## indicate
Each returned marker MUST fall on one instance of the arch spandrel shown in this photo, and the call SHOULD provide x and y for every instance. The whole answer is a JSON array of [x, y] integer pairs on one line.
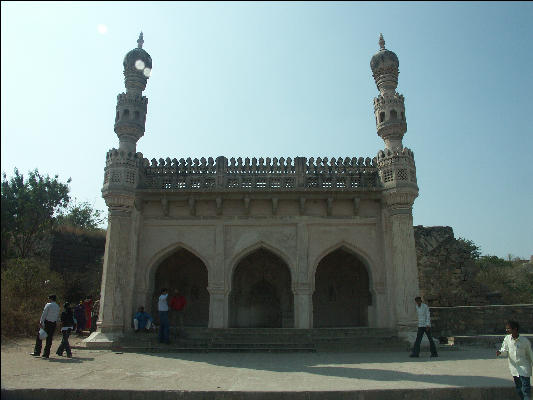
[[351, 248], [236, 258], [157, 258]]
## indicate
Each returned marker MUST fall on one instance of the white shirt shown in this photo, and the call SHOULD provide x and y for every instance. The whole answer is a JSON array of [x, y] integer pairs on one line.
[[163, 305], [50, 312], [423, 315], [520, 355]]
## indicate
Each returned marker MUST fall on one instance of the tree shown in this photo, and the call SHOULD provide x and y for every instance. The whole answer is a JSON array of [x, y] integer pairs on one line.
[[29, 208], [82, 215], [470, 248]]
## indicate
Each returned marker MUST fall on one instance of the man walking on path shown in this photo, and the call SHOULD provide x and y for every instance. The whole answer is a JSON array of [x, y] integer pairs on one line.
[[424, 326], [518, 349], [177, 304], [162, 307], [48, 322]]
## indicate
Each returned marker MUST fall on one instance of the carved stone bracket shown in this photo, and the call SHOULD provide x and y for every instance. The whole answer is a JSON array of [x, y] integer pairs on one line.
[[164, 206], [330, 205], [192, 205], [356, 203], [246, 205], [302, 205], [274, 205], [218, 201]]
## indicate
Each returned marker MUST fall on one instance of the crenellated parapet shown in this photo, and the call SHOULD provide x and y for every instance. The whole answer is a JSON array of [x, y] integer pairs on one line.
[[122, 171], [397, 168], [260, 173]]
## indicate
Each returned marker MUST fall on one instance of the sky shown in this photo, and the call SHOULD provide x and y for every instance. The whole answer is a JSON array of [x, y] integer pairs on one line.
[[285, 79]]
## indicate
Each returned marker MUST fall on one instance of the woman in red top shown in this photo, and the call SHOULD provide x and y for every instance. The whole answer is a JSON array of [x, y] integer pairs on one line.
[[177, 305]]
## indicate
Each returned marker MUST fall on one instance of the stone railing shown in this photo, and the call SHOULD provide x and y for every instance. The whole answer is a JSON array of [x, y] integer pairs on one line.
[[259, 173]]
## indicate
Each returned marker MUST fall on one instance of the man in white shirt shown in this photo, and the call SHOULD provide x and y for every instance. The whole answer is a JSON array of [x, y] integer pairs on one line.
[[424, 326], [162, 307], [48, 322], [518, 349]]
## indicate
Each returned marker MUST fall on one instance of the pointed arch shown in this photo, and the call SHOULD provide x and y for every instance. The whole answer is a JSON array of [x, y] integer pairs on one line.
[[342, 287], [238, 257], [260, 288]]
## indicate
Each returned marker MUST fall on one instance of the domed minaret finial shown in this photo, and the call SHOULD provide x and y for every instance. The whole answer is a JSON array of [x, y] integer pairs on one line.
[[140, 41], [381, 42]]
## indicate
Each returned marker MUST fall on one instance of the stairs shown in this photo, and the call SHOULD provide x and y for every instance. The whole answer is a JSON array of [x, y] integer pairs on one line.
[[266, 340]]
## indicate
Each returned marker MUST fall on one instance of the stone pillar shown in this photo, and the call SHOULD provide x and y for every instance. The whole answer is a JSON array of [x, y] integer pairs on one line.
[[402, 256], [217, 307], [117, 274], [303, 307]]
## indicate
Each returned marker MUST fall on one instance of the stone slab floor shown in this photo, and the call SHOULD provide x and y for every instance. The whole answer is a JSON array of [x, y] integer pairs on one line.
[[105, 369]]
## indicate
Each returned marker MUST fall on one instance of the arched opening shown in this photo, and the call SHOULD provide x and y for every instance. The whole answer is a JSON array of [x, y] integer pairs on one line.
[[137, 115], [342, 294], [261, 295], [184, 271], [381, 117], [393, 115], [126, 114]]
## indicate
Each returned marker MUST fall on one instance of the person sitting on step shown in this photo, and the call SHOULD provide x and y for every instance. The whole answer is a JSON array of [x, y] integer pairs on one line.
[[142, 320]]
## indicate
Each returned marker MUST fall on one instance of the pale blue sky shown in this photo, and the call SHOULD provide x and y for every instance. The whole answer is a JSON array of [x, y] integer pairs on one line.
[[285, 79]]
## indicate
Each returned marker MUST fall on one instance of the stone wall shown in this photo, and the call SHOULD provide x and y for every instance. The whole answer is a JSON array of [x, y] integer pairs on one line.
[[471, 320], [446, 271], [75, 251]]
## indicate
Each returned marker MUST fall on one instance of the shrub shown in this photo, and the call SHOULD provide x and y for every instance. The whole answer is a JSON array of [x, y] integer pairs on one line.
[[26, 285]]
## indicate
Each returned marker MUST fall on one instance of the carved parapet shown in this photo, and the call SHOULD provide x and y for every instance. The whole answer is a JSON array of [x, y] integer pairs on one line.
[[397, 168], [122, 170], [134, 101], [260, 173]]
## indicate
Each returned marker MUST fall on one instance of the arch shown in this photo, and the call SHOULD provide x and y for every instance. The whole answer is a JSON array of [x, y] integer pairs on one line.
[[237, 258], [126, 113], [162, 254], [261, 294], [356, 251], [342, 287], [381, 117], [183, 270], [393, 114]]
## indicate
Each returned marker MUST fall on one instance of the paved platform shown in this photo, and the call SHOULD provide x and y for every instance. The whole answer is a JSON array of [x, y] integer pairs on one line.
[[470, 373]]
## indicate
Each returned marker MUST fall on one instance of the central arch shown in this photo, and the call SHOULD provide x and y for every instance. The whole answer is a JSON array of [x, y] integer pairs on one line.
[[186, 272], [342, 291], [261, 295]]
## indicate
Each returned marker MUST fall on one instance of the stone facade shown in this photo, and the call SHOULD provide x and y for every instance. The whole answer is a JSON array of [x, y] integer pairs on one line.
[[446, 271], [275, 242], [471, 320]]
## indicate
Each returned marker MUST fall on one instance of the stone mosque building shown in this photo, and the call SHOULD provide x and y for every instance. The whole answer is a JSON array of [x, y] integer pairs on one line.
[[265, 243]]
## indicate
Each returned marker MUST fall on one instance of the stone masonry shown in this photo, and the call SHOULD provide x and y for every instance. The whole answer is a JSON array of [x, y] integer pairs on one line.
[[261, 231]]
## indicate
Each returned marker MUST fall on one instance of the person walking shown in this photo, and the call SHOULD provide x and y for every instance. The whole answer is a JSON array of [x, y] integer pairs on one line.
[[67, 325], [88, 306], [424, 326], [177, 304], [47, 322], [518, 350], [162, 307]]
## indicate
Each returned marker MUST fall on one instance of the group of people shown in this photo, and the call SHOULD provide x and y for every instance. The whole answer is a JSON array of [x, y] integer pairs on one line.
[[517, 348], [70, 320], [86, 313], [142, 321]]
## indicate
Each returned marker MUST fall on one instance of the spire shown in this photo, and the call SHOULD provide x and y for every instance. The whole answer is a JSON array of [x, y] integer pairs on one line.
[[140, 41], [381, 41]]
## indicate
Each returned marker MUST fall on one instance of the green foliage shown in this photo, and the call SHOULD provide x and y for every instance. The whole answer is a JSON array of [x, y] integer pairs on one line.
[[26, 285], [82, 215], [470, 248], [29, 208], [512, 279]]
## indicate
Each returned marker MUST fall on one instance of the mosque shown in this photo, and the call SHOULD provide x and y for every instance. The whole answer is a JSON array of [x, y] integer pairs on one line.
[[261, 242]]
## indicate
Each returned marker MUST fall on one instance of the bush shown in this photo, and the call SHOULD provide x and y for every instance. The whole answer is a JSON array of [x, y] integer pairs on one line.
[[26, 285]]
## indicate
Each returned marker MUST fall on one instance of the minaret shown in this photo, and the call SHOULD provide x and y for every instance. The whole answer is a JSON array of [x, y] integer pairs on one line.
[[131, 106], [397, 174], [121, 179]]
